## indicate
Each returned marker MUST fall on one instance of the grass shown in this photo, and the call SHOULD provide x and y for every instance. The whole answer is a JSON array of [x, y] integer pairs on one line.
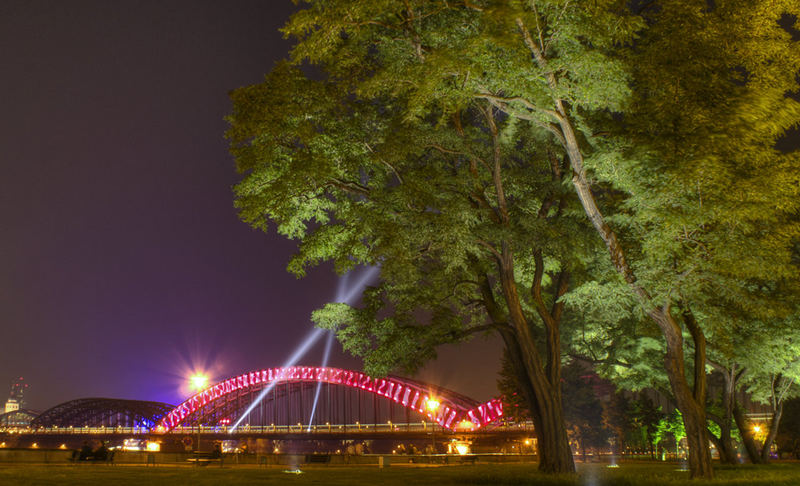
[[511, 474]]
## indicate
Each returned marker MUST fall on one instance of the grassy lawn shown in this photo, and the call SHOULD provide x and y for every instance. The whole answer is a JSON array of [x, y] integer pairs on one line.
[[589, 475]]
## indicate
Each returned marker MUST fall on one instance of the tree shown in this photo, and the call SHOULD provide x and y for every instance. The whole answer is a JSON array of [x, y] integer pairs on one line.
[[770, 364], [645, 417], [434, 62], [705, 115], [671, 426], [468, 220], [583, 410], [706, 108]]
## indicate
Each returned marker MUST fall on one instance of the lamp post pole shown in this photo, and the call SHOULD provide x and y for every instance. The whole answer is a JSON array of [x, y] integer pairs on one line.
[[198, 383], [433, 406]]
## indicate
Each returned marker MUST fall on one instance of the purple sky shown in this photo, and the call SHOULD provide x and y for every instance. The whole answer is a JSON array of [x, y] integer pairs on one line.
[[122, 261]]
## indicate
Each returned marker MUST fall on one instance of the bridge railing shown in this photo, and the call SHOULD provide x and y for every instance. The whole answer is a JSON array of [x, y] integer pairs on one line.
[[303, 429]]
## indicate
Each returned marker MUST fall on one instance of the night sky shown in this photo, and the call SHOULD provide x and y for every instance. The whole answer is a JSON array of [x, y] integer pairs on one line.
[[123, 265]]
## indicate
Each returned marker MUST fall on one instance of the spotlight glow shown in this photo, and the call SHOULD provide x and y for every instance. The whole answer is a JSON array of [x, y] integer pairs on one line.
[[356, 289], [343, 295], [293, 359], [325, 357]]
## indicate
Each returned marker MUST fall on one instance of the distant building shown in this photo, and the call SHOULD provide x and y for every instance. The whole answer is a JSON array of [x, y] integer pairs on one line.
[[18, 392], [16, 399], [12, 405], [15, 414]]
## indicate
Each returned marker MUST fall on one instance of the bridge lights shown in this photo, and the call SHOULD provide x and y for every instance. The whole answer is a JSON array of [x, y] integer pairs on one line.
[[465, 425]]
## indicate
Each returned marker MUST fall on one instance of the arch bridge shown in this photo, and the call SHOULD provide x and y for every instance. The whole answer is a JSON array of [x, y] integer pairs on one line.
[[316, 396], [102, 412]]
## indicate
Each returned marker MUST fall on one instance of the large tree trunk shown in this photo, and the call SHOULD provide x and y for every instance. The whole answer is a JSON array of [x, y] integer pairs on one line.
[[727, 451], [550, 430], [694, 415], [544, 400], [543, 372], [555, 454], [725, 447]]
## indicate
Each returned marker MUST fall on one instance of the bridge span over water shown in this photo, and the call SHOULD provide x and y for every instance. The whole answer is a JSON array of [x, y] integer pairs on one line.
[[289, 400], [312, 405]]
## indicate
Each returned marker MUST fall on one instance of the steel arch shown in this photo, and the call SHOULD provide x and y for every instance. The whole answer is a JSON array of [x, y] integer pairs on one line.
[[454, 409], [98, 412]]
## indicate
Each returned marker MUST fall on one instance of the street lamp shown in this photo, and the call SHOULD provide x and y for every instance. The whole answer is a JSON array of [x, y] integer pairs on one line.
[[198, 382], [433, 405]]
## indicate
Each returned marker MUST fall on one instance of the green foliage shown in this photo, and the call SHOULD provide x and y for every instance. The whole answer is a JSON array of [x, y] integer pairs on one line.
[[439, 55], [670, 427], [770, 354], [357, 185], [430, 140], [710, 205]]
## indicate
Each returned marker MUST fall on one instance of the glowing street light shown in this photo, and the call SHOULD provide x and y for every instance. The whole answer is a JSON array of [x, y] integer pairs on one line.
[[433, 405], [198, 382]]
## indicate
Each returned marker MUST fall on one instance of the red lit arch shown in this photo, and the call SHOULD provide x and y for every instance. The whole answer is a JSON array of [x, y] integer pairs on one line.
[[454, 409]]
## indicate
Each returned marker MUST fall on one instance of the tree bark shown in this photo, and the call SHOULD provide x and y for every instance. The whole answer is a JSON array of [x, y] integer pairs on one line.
[[724, 444], [555, 454], [727, 451], [544, 400], [551, 453]]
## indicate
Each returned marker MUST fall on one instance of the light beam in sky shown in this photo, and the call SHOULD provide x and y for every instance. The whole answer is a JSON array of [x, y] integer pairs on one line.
[[344, 295]]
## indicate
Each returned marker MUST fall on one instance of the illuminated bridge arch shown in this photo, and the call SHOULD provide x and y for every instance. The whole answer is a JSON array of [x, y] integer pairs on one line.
[[224, 402], [102, 412]]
